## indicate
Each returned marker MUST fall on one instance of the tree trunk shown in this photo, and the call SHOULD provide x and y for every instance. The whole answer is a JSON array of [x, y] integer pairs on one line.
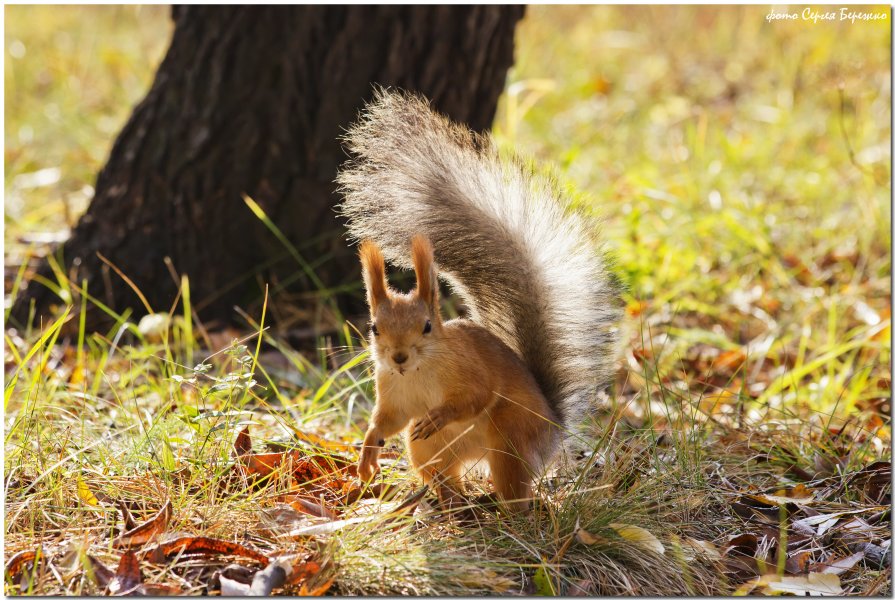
[[252, 100]]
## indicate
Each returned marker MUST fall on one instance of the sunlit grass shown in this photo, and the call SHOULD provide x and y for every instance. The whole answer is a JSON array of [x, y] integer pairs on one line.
[[742, 170]]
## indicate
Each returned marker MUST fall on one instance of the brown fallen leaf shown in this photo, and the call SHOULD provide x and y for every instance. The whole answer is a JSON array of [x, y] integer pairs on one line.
[[703, 548], [875, 481], [283, 517], [589, 539], [797, 562], [750, 510], [22, 560], [158, 589], [201, 545], [308, 506], [317, 590], [306, 466], [129, 523], [322, 442], [243, 443], [148, 531], [875, 556], [745, 544], [799, 495], [128, 576], [99, 573], [839, 566], [741, 568], [730, 360]]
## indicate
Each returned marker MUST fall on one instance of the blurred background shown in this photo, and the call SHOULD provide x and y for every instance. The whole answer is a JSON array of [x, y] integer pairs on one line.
[[741, 168]]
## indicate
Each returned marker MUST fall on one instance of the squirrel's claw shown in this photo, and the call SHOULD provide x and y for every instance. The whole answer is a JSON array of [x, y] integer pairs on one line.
[[426, 427], [367, 466]]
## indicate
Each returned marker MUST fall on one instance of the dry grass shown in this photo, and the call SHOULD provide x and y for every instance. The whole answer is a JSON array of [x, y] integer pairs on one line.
[[742, 172]]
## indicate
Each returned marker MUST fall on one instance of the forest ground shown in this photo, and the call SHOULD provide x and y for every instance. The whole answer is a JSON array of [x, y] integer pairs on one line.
[[741, 168]]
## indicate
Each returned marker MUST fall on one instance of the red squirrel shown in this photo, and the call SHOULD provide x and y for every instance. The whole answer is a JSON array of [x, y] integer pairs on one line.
[[503, 385]]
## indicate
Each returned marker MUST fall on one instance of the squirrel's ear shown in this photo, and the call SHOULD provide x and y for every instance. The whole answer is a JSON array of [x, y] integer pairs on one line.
[[426, 276], [373, 268]]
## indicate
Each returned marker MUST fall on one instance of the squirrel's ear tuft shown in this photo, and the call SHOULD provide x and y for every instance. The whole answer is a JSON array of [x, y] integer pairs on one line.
[[373, 268], [426, 276]]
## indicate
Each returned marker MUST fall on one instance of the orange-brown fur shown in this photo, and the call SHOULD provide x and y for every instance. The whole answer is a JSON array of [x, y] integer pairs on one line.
[[460, 394]]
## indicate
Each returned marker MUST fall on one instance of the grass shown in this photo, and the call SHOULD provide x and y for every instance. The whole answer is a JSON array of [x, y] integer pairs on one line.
[[741, 170]]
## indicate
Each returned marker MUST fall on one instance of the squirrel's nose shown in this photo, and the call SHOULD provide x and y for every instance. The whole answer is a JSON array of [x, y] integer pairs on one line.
[[399, 357]]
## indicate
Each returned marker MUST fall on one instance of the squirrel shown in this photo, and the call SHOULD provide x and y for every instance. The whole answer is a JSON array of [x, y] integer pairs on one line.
[[503, 385]]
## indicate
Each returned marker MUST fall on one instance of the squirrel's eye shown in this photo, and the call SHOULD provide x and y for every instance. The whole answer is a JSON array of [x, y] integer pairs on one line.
[[428, 327], [373, 329]]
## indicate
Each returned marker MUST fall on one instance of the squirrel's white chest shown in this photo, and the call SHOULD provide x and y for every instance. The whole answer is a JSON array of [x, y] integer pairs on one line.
[[413, 393]]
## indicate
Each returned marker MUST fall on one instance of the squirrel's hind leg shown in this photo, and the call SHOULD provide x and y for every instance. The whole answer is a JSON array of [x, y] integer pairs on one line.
[[440, 471], [512, 479]]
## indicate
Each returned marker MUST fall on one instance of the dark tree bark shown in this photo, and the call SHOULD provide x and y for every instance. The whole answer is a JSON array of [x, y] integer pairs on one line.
[[252, 100]]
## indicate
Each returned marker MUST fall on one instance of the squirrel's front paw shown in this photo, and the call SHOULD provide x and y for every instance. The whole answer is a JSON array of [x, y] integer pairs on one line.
[[428, 425], [368, 465]]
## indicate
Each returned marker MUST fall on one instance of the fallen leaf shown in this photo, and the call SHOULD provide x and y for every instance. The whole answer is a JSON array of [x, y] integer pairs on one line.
[[322, 442], [305, 467], [98, 572], [84, 493], [704, 548], [126, 516], [243, 443], [822, 584], [404, 509], [797, 561], [797, 495], [158, 589], [763, 513], [283, 517], [319, 590], [875, 556], [730, 360], [201, 545], [745, 544], [875, 481], [842, 565], [328, 528], [639, 536], [128, 576], [21, 560], [589, 539], [543, 583], [148, 531], [307, 506]]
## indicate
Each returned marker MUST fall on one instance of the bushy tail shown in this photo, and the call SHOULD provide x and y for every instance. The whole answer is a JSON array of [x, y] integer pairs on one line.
[[528, 267]]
